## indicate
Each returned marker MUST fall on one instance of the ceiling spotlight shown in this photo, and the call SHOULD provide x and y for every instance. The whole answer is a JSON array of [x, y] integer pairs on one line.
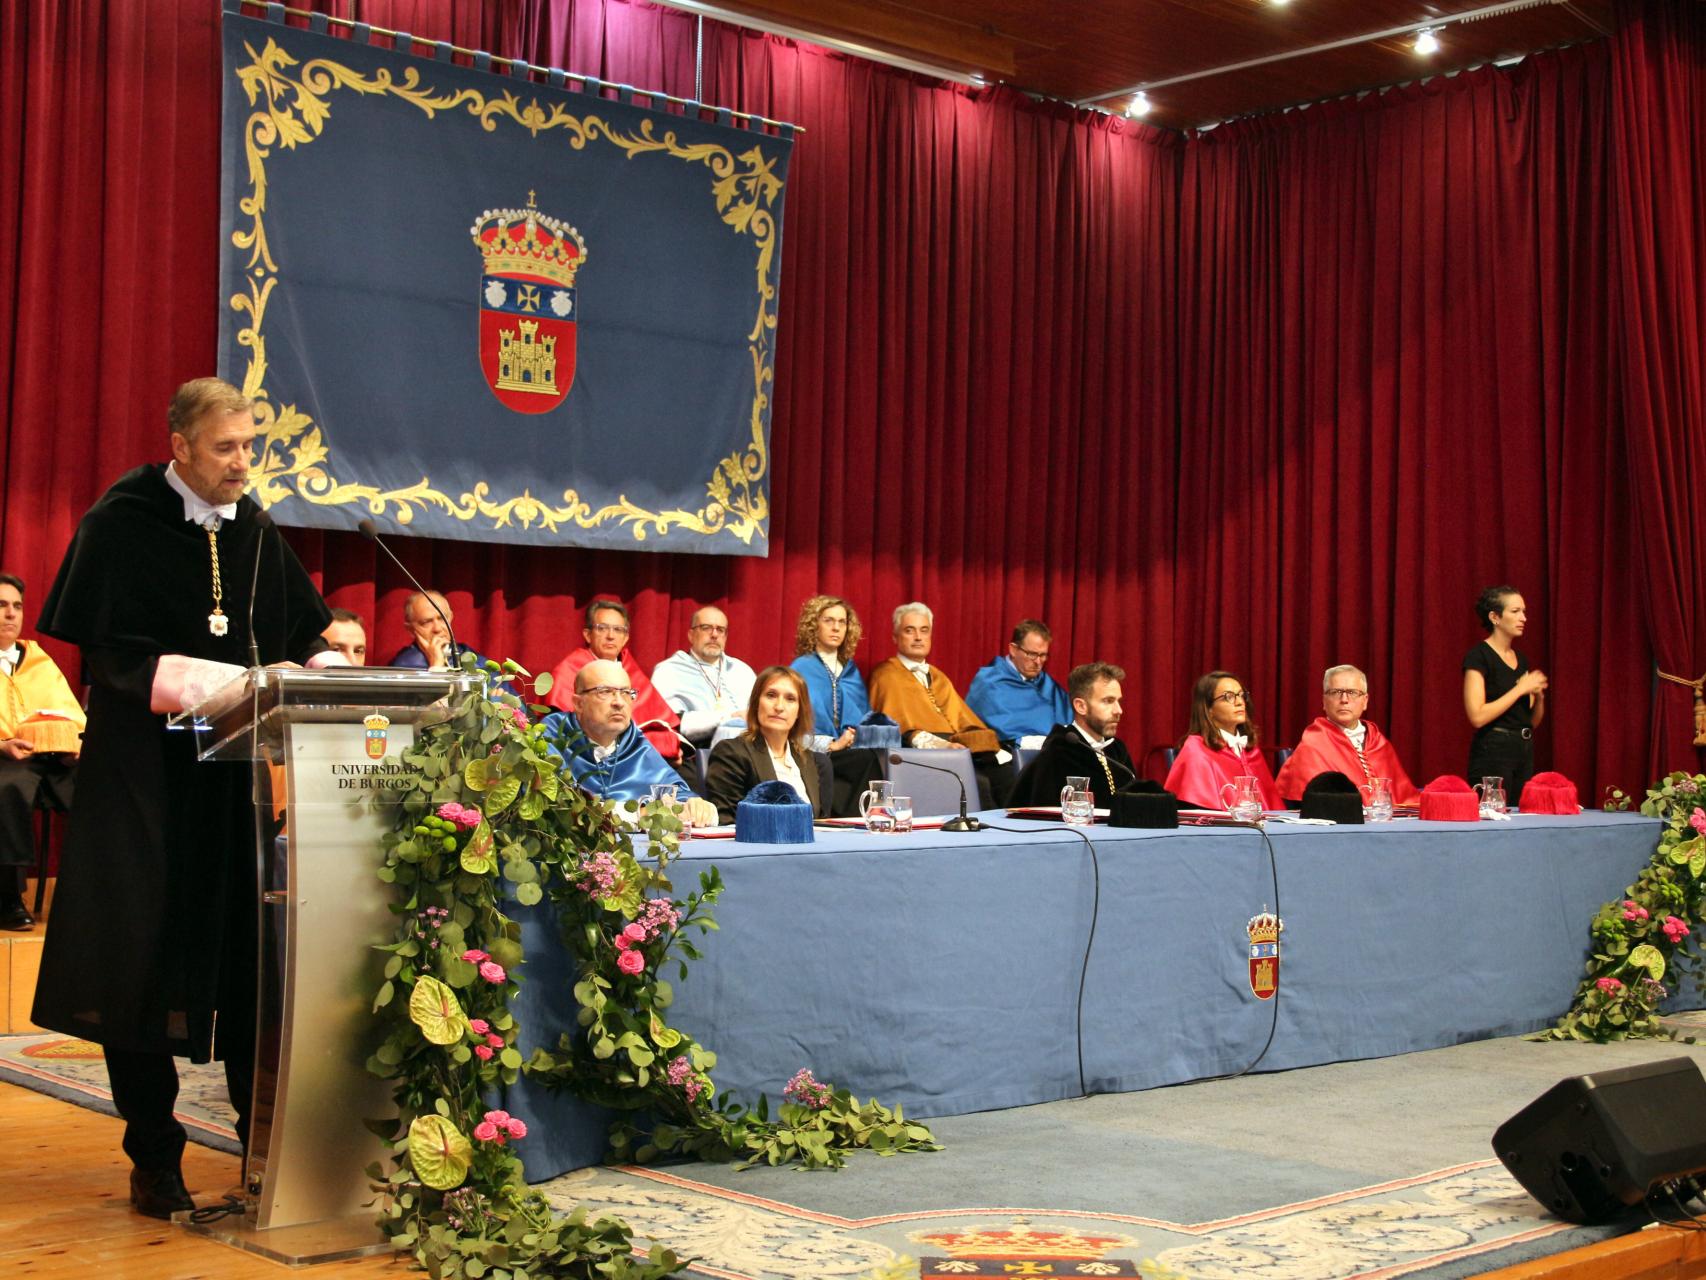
[[1427, 41], [1139, 104]]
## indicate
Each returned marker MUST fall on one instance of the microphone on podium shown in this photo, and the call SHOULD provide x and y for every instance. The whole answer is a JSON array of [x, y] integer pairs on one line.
[[371, 531], [263, 522], [961, 823]]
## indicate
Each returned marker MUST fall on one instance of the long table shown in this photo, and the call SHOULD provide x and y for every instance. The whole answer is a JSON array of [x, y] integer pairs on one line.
[[942, 971]]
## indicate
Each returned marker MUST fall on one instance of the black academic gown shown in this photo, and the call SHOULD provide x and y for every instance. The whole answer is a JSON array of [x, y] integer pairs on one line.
[[1065, 755], [153, 924]]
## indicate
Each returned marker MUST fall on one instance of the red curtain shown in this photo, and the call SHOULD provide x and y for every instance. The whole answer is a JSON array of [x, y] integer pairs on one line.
[[1658, 121], [1280, 396], [1396, 387]]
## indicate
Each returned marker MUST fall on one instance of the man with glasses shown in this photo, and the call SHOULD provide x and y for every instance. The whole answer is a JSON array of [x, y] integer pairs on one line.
[[702, 683], [604, 751], [606, 635], [1015, 696], [1342, 741], [429, 644]]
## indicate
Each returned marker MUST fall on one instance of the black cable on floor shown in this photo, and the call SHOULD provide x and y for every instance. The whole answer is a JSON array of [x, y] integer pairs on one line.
[[229, 1207]]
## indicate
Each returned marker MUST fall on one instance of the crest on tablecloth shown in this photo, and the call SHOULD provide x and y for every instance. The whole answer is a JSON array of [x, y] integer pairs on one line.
[[1264, 931]]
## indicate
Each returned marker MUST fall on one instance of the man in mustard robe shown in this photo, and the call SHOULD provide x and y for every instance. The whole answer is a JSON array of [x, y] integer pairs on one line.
[[929, 710], [41, 732]]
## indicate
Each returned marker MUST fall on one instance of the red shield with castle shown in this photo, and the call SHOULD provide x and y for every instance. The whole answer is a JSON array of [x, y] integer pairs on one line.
[[1264, 931], [528, 308]]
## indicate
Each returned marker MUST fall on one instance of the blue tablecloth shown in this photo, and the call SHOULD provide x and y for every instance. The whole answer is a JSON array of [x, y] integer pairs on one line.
[[942, 971]]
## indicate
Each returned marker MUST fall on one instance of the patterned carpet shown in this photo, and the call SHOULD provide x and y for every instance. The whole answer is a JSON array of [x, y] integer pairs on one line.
[[1255, 1179]]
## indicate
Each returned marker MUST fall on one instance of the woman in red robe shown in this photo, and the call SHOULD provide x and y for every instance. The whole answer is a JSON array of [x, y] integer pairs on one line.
[[1220, 746]]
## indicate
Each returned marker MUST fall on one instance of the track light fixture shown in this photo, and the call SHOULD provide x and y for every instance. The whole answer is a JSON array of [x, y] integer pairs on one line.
[[1427, 41]]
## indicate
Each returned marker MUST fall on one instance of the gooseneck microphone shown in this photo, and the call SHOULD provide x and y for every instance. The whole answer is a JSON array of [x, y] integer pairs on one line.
[[263, 522], [961, 823], [371, 531]]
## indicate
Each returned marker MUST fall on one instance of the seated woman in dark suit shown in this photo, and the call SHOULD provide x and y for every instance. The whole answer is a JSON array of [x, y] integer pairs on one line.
[[773, 748]]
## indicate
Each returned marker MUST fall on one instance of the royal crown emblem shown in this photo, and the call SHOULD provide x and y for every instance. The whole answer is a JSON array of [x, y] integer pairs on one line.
[[1265, 930], [1021, 1250], [528, 311], [377, 729]]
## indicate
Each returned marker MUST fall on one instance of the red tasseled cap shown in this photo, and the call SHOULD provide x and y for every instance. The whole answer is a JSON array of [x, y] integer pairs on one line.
[[1449, 798], [1550, 793]]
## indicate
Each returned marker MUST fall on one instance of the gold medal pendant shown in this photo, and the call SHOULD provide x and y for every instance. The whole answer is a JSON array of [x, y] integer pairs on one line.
[[217, 623]]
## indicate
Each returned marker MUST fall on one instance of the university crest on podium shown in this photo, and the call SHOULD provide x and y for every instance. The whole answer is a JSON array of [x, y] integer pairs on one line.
[[528, 310], [1265, 931], [376, 729]]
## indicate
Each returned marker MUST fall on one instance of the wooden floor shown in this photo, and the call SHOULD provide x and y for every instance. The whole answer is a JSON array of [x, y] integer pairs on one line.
[[67, 1210]]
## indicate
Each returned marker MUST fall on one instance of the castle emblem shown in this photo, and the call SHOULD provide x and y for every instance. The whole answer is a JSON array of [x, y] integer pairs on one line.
[[1265, 931], [376, 730], [528, 311]]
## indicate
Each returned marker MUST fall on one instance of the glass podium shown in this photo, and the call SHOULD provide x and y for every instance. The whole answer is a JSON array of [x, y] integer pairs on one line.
[[326, 751]]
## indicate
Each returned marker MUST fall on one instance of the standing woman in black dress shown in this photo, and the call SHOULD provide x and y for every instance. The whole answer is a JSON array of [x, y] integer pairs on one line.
[[1505, 701]]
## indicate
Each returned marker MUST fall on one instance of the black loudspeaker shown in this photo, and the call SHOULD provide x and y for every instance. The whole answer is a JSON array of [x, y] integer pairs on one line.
[[1590, 1147]]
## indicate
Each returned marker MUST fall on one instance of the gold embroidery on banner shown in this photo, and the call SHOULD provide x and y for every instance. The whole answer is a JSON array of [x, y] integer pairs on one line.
[[293, 458]]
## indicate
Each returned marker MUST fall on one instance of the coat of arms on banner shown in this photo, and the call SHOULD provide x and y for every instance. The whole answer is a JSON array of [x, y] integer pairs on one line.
[[1265, 931], [527, 305]]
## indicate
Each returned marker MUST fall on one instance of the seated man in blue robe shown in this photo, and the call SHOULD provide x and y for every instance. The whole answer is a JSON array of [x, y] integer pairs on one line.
[[429, 645], [605, 753], [1014, 696]]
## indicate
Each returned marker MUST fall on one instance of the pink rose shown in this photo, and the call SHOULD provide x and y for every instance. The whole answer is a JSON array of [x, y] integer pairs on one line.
[[474, 956], [622, 943], [635, 932], [479, 1026], [1611, 986], [483, 1052], [498, 1117], [486, 1131], [1697, 820], [1676, 930], [630, 962], [517, 1129], [491, 971], [1633, 910], [496, 1041]]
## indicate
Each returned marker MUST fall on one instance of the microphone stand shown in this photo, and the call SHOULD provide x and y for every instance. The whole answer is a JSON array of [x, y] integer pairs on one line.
[[371, 531], [962, 823]]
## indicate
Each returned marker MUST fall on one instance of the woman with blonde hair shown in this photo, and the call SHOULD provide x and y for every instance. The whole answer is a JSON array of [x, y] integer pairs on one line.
[[825, 639]]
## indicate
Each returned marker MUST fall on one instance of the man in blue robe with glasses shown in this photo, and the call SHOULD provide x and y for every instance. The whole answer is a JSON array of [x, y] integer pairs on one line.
[[607, 755], [1015, 696]]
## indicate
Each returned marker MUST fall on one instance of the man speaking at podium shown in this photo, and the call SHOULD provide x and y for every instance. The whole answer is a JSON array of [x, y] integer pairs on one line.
[[150, 948]]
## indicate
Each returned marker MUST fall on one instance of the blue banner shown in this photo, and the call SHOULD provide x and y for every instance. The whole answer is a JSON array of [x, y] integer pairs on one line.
[[470, 305]]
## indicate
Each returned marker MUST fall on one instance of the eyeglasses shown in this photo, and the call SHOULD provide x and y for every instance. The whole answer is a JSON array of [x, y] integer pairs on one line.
[[1239, 696], [609, 628], [605, 692], [1035, 655], [711, 627], [1347, 695]]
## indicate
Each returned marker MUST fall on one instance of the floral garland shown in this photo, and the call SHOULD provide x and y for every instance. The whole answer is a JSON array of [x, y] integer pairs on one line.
[[485, 818], [1647, 934]]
